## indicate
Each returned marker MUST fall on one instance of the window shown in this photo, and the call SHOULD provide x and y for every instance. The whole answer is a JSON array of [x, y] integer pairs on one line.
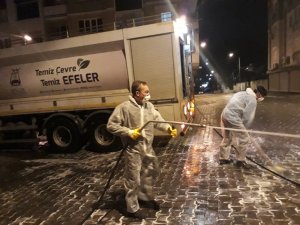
[[297, 15], [36, 40], [2, 4], [87, 25], [182, 60], [94, 25], [3, 15], [61, 32], [81, 26], [294, 19], [122, 5], [296, 57], [5, 43], [53, 2], [166, 16], [27, 9], [90, 25]]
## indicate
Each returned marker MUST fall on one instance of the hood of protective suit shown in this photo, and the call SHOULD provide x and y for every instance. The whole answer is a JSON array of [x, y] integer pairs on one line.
[[250, 92], [241, 108], [130, 115]]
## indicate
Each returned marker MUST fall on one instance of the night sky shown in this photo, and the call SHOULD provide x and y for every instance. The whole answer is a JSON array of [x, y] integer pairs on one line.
[[239, 26]]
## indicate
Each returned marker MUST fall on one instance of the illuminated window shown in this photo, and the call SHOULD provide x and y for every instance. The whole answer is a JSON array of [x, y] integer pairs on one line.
[[166, 16]]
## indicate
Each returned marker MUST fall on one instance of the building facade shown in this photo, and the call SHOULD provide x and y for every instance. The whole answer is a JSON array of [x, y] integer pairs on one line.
[[47, 20], [284, 45]]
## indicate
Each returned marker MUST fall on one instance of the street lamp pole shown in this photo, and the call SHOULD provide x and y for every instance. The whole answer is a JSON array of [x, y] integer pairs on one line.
[[231, 55], [239, 68]]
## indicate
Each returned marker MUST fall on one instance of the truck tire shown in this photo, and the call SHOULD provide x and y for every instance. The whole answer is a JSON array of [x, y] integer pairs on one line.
[[100, 139], [63, 135], [11, 135]]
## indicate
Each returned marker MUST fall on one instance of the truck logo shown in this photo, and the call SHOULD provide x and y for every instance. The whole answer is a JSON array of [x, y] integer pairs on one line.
[[15, 78], [82, 63]]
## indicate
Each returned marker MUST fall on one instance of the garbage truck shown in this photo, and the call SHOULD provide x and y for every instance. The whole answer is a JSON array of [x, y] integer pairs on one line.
[[66, 89]]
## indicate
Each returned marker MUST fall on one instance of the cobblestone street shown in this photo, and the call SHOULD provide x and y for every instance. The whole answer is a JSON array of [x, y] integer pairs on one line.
[[192, 189]]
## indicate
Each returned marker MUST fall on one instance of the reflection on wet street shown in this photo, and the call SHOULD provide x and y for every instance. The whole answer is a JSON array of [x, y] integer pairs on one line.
[[280, 114]]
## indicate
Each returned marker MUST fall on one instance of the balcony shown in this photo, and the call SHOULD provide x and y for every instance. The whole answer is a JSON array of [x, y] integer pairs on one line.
[[63, 32]]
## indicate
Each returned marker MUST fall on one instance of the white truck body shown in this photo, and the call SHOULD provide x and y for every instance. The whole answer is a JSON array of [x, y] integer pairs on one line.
[[67, 88]]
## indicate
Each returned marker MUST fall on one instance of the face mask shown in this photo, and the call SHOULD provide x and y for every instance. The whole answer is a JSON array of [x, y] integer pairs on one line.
[[146, 98], [260, 99]]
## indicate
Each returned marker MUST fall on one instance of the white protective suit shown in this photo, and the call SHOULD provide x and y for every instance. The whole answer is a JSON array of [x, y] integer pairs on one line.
[[141, 165], [239, 114]]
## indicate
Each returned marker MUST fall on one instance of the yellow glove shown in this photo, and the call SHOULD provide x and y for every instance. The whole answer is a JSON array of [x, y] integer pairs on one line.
[[134, 134], [172, 132]]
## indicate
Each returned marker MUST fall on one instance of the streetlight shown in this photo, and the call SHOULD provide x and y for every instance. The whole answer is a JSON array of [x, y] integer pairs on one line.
[[27, 38], [181, 26], [231, 55], [203, 44]]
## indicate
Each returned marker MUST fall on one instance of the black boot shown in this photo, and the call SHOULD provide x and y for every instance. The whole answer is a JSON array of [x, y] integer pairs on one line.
[[150, 204], [243, 164], [138, 214], [225, 161]]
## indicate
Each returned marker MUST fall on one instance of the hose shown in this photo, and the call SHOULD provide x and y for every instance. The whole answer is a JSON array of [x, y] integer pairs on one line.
[[266, 168], [259, 150], [97, 203]]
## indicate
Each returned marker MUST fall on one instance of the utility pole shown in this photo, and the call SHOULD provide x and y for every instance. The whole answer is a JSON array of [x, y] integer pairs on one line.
[[239, 69]]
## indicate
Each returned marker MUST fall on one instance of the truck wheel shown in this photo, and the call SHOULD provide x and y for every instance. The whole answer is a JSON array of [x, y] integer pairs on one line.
[[63, 136], [101, 140]]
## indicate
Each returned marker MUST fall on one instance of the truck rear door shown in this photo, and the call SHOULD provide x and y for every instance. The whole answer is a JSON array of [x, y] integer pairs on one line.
[[152, 59]]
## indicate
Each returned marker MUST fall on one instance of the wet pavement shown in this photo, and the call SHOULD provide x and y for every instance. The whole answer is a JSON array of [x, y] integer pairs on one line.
[[280, 114], [37, 188]]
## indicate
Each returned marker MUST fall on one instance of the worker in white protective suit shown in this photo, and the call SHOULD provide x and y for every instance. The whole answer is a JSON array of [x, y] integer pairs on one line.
[[141, 165], [239, 114]]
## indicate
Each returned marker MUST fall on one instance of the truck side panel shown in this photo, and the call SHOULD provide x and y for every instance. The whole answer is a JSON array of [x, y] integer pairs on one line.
[[68, 102], [78, 74]]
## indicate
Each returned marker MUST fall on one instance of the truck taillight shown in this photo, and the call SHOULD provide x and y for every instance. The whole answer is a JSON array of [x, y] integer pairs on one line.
[[192, 108]]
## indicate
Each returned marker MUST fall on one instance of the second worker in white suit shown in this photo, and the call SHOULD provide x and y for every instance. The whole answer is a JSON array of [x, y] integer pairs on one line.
[[239, 114]]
